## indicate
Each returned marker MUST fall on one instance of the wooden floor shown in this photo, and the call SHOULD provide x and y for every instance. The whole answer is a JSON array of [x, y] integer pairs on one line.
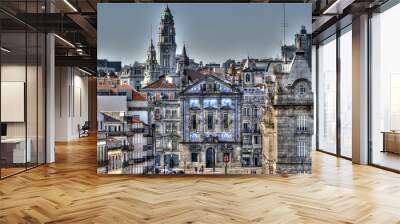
[[70, 191], [387, 159]]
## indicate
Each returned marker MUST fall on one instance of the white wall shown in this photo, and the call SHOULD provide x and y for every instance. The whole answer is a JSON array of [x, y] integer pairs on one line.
[[12, 73], [16, 73], [71, 102], [33, 125], [111, 103], [80, 105]]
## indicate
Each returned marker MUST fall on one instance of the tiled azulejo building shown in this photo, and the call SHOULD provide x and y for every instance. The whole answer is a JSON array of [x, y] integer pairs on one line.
[[210, 125]]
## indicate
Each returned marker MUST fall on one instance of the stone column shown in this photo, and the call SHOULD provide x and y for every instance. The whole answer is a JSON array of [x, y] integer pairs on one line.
[[360, 90], [50, 93]]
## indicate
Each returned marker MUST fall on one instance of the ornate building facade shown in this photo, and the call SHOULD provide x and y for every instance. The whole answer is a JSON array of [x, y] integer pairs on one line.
[[291, 113], [133, 75], [210, 125], [293, 110], [252, 105], [165, 117]]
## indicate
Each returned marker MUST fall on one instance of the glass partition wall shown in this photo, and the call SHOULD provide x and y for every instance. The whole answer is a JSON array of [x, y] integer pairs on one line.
[[327, 95], [345, 91], [334, 94], [22, 78], [385, 89]]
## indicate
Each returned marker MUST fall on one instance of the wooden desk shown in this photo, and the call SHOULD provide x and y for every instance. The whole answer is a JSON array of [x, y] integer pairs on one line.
[[391, 141], [13, 150]]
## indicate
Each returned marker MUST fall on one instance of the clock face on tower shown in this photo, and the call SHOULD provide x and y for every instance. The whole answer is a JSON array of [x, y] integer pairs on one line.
[[166, 50]]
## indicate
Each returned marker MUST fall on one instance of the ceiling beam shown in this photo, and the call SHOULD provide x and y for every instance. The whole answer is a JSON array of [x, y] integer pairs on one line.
[[86, 27], [77, 61]]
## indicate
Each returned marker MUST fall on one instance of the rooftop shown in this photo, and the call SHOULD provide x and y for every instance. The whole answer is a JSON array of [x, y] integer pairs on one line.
[[137, 96], [160, 84]]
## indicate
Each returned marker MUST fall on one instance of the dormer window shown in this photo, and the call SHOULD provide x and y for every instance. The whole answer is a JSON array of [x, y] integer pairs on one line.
[[301, 89]]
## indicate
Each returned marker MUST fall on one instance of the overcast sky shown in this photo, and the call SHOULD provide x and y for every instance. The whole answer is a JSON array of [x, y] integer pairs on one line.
[[212, 32]]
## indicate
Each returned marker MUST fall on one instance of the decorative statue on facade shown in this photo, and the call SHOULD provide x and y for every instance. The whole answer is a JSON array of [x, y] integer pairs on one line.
[[268, 134]]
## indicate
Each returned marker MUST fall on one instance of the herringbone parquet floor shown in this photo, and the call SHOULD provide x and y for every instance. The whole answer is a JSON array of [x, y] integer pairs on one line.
[[70, 191]]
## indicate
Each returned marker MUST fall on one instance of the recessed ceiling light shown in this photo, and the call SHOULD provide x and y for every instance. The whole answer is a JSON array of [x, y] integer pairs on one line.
[[5, 50], [64, 40], [86, 72], [338, 6], [70, 5]]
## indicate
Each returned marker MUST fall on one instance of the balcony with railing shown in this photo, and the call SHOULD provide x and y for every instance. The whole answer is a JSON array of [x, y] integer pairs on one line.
[[247, 130], [171, 132], [114, 146], [128, 147], [148, 147], [117, 133], [138, 130], [101, 135], [288, 100], [303, 131], [139, 157], [171, 117]]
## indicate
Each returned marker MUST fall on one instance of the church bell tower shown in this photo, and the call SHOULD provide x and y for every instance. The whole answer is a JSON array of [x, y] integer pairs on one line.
[[166, 43]]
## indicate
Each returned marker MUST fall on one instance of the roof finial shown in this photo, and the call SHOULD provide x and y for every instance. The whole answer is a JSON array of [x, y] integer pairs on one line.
[[184, 50], [151, 35], [284, 33]]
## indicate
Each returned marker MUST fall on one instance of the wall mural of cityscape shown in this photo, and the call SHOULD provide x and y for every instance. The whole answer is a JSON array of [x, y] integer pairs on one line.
[[167, 111]]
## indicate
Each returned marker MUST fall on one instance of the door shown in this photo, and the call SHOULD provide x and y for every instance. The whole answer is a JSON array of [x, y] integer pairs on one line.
[[210, 158]]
